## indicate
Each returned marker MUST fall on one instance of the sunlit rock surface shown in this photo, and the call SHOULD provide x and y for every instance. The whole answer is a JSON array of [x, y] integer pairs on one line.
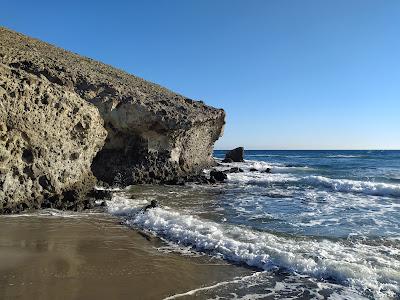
[[153, 134], [48, 139]]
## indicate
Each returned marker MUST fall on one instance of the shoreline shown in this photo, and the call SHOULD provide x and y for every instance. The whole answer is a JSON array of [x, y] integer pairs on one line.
[[94, 257], [162, 254]]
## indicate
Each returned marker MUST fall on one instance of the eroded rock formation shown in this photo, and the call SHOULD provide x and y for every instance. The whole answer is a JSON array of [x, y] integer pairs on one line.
[[48, 139], [153, 134]]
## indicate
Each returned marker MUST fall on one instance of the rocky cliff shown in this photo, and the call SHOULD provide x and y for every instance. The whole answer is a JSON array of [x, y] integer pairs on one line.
[[66, 116]]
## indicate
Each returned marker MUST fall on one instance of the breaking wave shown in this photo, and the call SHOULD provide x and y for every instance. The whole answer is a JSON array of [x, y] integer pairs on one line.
[[365, 267], [346, 185], [339, 185]]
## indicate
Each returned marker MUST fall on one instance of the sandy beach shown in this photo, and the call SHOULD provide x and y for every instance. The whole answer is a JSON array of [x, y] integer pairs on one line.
[[93, 257]]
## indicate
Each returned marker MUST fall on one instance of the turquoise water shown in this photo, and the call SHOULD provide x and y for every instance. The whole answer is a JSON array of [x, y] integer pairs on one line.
[[321, 224]]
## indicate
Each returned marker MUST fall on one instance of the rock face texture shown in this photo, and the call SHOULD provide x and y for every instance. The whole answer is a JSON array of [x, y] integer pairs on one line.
[[48, 139], [59, 107]]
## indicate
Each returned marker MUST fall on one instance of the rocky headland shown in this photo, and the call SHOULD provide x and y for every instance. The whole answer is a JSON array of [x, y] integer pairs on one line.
[[67, 121]]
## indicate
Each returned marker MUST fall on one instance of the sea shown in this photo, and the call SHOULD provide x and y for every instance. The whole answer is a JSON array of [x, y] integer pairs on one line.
[[320, 225]]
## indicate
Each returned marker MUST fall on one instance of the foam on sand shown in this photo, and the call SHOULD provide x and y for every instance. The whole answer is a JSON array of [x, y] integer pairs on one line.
[[349, 264]]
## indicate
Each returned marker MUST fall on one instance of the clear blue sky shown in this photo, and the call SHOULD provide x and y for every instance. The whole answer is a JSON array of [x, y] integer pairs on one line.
[[305, 74]]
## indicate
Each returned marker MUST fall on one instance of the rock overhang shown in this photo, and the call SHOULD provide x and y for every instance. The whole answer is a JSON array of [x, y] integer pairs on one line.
[[153, 134]]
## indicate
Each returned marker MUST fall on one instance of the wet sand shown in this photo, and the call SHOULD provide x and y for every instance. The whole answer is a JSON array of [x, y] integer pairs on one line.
[[94, 257]]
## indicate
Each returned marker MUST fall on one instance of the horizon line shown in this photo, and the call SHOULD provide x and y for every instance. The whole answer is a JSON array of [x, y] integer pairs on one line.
[[309, 149]]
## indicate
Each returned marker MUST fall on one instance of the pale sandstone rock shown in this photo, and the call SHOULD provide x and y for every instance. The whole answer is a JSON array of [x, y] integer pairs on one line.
[[48, 139], [153, 134]]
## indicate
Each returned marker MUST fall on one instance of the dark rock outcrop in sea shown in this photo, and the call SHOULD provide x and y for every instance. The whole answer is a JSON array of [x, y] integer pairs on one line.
[[65, 118], [218, 176], [234, 170], [235, 155]]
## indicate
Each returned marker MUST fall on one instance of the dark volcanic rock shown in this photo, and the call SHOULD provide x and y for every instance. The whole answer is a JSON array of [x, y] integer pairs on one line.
[[212, 180], [227, 160], [57, 108], [253, 170], [236, 155], [234, 170], [100, 194], [218, 175]]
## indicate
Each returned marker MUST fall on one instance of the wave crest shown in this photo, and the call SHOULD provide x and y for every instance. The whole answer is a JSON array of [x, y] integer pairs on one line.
[[346, 185], [338, 185], [324, 259]]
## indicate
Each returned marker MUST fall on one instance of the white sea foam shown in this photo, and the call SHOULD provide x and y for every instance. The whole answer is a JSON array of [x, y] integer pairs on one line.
[[339, 185], [348, 264], [344, 156], [346, 185], [110, 189], [266, 285], [219, 284], [262, 166], [257, 178], [54, 213]]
